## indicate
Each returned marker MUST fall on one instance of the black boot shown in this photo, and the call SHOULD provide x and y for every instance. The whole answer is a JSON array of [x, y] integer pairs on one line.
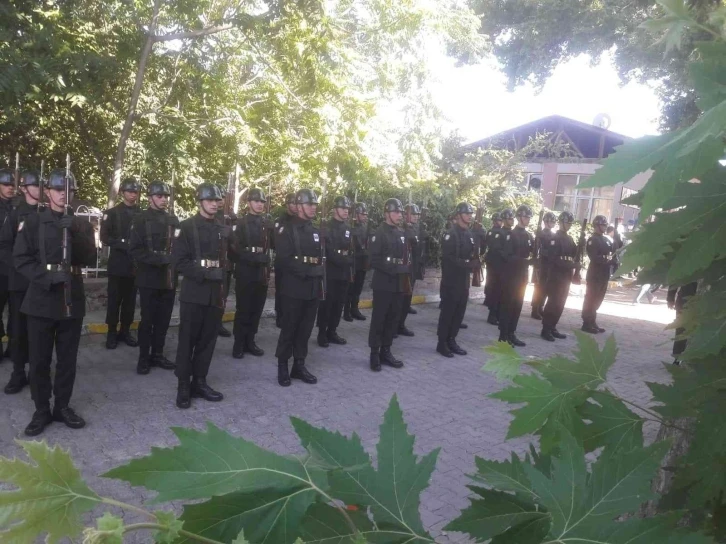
[[183, 394], [589, 327], [299, 372], [143, 367], [7, 352], [238, 349], [333, 338], [67, 416], [201, 390], [412, 311], [283, 374], [158, 359], [16, 383], [375, 360], [111, 339], [536, 314], [405, 331], [443, 349], [492, 319], [546, 334], [455, 348], [252, 348], [126, 337], [463, 326], [516, 341], [278, 322], [41, 419], [346, 312], [598, 327], [322, 339], [224, 333], [355, 312], [558, 334], [504, 338], [388, 359]]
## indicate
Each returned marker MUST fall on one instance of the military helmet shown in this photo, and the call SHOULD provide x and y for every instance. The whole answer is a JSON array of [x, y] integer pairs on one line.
[[361, 208], [256, 194], [506, 214], [549, 216], [393, 205], [290, 199], [57, 181], [7, 177], [209, 191], [30, 177], [158, 188], [306, 196], [131, 185], [600, 220], [566, 217], [496, 216], [464, 207], [342, 202], [524, 211]]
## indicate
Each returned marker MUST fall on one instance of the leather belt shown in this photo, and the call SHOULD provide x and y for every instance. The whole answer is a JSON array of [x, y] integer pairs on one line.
[[394, 260], [255, 249], [571, 259], [341, 251], [159, 252], [75, 270], [206, 263], [311, 260]]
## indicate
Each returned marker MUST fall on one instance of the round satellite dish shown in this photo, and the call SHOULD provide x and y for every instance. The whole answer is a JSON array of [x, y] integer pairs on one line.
[[602, 120]]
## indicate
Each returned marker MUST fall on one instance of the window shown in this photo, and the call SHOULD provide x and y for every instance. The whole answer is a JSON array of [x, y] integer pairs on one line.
[[582, 203]]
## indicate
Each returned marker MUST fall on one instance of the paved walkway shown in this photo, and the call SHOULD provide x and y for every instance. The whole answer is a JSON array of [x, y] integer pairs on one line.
[[444, 400]]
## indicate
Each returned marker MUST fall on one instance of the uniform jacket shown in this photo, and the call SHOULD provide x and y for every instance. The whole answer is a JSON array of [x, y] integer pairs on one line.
[[282, 220], [149, 235], [457, 259], [558, 254], [417, 239], [200, 239], [338, 245], [494, 241], [600, 251], [480, 238], [251, 262], [361, 239], [6, 207], [388, 245], [44, 299], [516, 250], [116, 234], [296, 240], [8, 234]]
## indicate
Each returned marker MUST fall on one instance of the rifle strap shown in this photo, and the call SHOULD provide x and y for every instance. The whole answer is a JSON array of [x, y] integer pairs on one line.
[[41, 245]]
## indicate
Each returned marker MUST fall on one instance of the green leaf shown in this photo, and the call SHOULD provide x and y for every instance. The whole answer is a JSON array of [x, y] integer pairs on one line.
[[241, 539], [504, 361], [707, 74], [172, 524], [529, 532], [331, 450], [324, 524], [110, 530], [611, 424], [50, 496], [506, 475]]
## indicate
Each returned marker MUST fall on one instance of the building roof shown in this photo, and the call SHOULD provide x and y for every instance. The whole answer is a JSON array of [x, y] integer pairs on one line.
[[587, 141]]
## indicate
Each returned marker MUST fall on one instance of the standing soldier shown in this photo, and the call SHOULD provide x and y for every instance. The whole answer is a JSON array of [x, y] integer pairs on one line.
[[299, 255], [152, 237], [54, 321], [338, 243], [517, 246], [281, 221], [458, 260], [542, 241], [415, 245], [493, 260], [560, 251], [17, 283], [116, 233], [600, 250], [362, 262], [252, 273], [388, 248], [200, 255], [7, 192]]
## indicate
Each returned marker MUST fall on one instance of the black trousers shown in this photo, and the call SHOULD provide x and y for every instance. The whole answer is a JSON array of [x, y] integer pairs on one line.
[[493, 289], [406, 304], [198, 332], [298, 319], [330, 309], [278, 294], [43, 335], [594, 295], [557, 289], [453, 309], [511, 303], [386, 316], [356, 288], [4, 298], [540, 293], [121, 300], [19, 326], [156, 307], [251, 297], [679, 346]]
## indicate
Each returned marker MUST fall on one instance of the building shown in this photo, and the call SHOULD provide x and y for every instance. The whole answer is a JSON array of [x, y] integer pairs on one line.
[[557, 179]]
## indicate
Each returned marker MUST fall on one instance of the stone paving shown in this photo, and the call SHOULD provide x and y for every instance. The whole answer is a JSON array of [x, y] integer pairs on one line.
[[444, 400]]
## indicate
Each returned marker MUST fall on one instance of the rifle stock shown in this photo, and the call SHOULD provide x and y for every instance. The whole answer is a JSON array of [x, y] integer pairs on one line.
[[16, 174], [170, 236], [65, 255], [577, 277], [266, 242], [537, 249], [323, 250], [477, 276]]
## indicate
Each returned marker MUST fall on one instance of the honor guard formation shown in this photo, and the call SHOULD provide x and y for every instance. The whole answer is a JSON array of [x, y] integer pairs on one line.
[[320, 268]]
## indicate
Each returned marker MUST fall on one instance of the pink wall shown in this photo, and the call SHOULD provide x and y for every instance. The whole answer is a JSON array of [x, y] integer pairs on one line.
[[549, 183]]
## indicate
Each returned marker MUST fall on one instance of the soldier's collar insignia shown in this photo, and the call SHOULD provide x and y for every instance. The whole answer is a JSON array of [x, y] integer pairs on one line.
[[177, 232], [447, 236]]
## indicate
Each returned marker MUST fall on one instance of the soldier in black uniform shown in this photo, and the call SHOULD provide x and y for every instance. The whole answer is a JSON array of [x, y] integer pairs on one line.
[[601, 252], [516, 249], [252, 242], [7, 192], [17, 283], [38, 255], [299, 255], [559, 253], [116, 233], [281, 221], [540, 287], [152, 236], [199, 254], [415, 244], [458, 260], [359, 232], [493, 260], [338, 249], [388, 247]]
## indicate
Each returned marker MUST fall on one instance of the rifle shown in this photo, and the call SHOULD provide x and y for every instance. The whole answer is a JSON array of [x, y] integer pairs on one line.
[[537, 249], [41, 187], [406, 278], [478, 276], [266, 245], [351, 246], [577, 278], [616, 246], [65, 244], [223, 241], [170, 236], [323, 256], [424, 241]]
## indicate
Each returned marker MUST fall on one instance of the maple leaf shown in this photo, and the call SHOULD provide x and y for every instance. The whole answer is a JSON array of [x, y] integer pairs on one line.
[[504, 361]]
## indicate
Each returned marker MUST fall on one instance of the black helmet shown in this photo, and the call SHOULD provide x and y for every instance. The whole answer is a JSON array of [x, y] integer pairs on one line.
[[157, 187], [209, 191], [600, 220], [342, 202], [549, 216], [413, 209], [306, 196], [524, 211], [256, 194], [30, 177], [361, 208], [393, 205], [566, 217], [496, 217], [506, 214], [464, 207], [57, 181], [131, 185], [290, 199], [7, 177]]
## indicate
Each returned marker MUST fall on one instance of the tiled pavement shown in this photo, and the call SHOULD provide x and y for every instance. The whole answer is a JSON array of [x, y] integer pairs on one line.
[[445, 400]]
